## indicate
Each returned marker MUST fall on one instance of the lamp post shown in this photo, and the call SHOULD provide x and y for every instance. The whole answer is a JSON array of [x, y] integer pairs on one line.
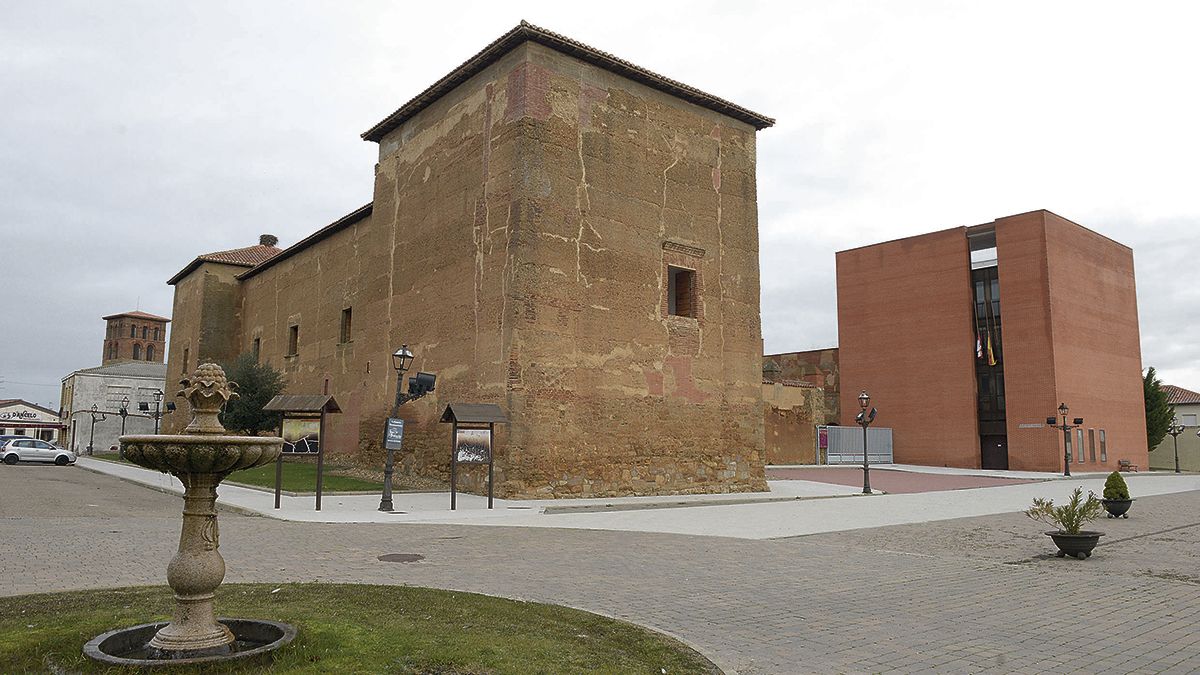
[[157, 415], [401, 360], [123, 412], [864, 419], [1053, 423], [1175, 429], [95, 413]]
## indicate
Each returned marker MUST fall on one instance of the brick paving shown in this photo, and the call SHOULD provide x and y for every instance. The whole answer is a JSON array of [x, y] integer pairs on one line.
[[891, 482], [969, 595]]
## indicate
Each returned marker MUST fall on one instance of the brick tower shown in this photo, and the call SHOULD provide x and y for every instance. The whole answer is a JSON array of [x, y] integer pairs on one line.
[[135, 336]]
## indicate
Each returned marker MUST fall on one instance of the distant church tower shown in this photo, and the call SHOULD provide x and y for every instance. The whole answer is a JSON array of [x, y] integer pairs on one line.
[[135, 336]]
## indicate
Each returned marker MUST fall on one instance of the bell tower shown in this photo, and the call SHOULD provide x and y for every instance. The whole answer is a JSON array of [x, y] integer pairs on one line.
[[135, 336]]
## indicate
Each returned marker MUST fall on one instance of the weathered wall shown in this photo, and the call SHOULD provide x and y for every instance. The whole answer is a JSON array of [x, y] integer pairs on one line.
[[905, 336], [791, 413], [204, 322], [106, 392], [1162, 456], [818, 367], [613, 395]]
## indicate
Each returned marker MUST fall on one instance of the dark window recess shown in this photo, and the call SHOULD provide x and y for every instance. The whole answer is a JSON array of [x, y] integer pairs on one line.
[[133, 331], [145, 332], [293, 340], [137, 352], [681, 292], [185, 361], [346, 321], [149, 352], [256, 348]]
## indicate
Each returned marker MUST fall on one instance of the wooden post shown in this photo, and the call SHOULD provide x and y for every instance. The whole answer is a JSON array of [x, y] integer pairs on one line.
[[278, 477], [453, 464], [320, 459], [491, 458]]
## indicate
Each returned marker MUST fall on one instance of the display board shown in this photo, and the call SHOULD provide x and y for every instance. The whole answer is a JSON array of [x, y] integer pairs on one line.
[[473, 446], [301, 435]]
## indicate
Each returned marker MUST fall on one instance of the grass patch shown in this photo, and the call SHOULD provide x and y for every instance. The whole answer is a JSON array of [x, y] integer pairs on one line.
[[298, 476], [346, 628]]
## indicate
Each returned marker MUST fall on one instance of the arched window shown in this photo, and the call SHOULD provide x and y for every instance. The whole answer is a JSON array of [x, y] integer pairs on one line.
[[149, 352], [137, 352], [144, 332], [156, 334], [112, 351]]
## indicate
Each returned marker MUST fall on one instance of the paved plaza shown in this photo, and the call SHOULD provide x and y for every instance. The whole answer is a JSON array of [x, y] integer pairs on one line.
[[979, 594]]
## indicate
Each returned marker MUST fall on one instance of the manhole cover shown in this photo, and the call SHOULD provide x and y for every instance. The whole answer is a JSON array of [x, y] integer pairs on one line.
[[401, 557]]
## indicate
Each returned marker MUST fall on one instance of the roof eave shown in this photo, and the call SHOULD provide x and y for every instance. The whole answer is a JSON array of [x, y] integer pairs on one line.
[[526, 32]]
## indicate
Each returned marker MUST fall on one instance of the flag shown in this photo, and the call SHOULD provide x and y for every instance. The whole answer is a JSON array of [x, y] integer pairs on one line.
[[978, 346], [990, 354]]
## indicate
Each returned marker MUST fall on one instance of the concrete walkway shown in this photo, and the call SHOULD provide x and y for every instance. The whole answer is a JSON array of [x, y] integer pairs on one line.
[[790, 509]]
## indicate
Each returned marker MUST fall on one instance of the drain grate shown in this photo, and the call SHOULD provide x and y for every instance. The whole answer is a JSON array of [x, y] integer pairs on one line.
[[401, 557]]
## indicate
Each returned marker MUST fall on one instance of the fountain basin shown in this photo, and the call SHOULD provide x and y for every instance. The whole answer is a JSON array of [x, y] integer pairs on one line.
[[193, 453], [131, 646]]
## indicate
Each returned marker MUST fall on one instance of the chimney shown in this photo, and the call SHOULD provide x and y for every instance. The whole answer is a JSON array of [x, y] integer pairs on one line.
[[267, 240]]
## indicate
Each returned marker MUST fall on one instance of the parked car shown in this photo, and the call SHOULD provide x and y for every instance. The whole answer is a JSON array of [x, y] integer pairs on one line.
[[23, 449]]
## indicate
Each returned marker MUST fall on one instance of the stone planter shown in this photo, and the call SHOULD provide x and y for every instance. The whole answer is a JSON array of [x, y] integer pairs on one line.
[[1076, 545], [1117, 507]]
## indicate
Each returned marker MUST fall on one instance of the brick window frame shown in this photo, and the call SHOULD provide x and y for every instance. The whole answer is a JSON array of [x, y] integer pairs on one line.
[[682, 282]]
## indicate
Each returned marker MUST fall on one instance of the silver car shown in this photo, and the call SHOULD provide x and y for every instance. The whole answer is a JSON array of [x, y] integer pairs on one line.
[[34, 450]]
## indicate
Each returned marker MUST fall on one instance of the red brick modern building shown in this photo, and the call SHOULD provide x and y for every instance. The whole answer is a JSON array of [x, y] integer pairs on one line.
[[1057, 304]]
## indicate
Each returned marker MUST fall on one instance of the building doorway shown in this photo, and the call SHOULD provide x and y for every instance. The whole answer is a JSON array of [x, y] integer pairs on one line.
[[993, 452]]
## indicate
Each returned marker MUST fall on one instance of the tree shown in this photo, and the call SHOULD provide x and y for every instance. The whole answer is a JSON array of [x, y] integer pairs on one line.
[[257, 384], [1159, 411]]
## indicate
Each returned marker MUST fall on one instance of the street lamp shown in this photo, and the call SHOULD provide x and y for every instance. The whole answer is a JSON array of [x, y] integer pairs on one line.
[[95, 413], [418, 386], [123, 412], [1175, 429], [157, 415], [864, 419], [1052, 422]]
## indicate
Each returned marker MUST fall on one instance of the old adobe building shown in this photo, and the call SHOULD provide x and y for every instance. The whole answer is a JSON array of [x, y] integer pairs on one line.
[[1057, 304], [553, 230]]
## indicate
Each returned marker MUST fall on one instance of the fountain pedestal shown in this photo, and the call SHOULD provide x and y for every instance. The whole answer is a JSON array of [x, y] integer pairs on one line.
[[200, 458]]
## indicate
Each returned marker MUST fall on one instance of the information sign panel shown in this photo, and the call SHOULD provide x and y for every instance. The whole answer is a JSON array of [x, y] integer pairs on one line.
[[302, 435], [473, 446], [395, 433]]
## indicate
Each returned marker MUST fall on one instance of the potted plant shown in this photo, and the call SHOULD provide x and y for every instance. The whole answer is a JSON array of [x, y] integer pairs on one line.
[[1116, 496], [1069, 518]]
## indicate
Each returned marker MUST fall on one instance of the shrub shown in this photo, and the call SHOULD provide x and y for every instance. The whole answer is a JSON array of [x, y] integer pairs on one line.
[[1069, 517], [1115, 487]]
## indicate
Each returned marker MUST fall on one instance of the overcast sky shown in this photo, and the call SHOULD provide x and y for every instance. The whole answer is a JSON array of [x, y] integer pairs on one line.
[[135, 135]]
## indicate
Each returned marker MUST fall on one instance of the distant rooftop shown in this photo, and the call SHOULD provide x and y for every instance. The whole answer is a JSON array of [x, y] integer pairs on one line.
[[128, 369], [138, 315], [1179, 395]]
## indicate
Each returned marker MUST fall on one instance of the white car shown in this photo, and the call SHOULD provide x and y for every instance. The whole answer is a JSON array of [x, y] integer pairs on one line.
[[34, 450]]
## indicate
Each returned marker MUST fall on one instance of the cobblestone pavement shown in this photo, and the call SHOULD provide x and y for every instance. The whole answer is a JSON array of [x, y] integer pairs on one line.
[[969, 595]]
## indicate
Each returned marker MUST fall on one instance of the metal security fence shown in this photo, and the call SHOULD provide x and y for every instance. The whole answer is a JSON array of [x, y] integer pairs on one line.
[[843, 445]]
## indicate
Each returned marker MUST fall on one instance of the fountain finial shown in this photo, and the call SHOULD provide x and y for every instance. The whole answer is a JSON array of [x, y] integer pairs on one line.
[[207, 390]]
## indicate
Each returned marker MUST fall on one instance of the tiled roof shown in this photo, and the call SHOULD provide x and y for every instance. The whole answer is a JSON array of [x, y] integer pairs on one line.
[[243, 257], [17, 401], [138, 315], [321, 234], [527, 32], [128, 369], [1179, 395]]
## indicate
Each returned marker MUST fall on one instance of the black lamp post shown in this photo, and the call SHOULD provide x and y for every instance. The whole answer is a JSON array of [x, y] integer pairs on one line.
[[1052, 422], [157, 415], [96, 414], [1175, 429], [123, 412], [864, 419], [401, 361]]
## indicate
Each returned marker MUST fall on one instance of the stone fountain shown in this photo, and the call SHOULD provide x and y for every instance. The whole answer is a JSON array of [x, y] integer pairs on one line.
[[200, 458]]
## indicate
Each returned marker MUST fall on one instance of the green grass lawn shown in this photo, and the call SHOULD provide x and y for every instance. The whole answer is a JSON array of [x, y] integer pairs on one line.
[[347, 628], [298, 476]]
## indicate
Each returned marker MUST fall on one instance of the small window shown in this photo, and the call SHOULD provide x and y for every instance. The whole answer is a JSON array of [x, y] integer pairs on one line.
[[1092, 444], [149, 352], [346, 318], [1103, 447], [137, 352], [145, 332], [156, 334], [1079, 444], [681, 292], [112, 351], [293, 340], [256, 348], [184, 369], [133, 331], [1188, 420]]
